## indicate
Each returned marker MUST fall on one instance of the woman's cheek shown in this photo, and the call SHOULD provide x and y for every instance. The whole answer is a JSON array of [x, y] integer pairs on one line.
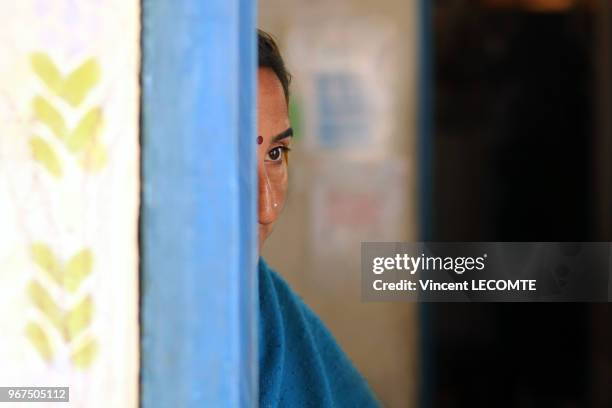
[[284, 186]]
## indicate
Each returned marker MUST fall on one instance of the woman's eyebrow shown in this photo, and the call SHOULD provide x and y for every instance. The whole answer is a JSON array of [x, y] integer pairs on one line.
[[282, 135]]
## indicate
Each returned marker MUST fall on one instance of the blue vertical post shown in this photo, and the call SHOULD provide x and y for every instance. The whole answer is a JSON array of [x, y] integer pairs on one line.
[[198, 221]]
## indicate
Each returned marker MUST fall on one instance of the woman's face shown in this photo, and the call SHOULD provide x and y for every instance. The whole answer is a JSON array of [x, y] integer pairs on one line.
[[273, 141]]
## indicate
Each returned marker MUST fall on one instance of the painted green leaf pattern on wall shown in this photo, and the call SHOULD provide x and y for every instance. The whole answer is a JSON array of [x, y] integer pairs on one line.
[[45, 259], [80, 82], [45, 303], [44, 154], [46, 70], [77, 269], [59, 104], [84, 355], [82, 140], [84, 134], [47, 114], [72, 88], [39, 339], [70, 320], [79, 318]]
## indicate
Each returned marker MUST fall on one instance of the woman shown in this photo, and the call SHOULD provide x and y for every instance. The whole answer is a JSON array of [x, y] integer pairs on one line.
[[301, 365]]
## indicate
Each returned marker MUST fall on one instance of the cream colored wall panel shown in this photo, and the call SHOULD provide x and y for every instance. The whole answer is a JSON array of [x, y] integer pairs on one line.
[[69, 198]]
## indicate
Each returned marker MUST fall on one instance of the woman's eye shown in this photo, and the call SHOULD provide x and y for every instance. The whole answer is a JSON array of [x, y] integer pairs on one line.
[[276, 154]]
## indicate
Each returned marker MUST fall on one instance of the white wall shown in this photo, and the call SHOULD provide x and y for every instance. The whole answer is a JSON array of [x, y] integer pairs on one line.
[[69, 198]]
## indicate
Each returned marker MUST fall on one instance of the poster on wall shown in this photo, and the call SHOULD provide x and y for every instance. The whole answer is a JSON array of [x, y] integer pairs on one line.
[[69, 162], [345, 71], [358, 202]]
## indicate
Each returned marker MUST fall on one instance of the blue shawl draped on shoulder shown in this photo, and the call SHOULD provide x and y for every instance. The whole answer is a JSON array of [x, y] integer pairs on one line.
[[300, 363]]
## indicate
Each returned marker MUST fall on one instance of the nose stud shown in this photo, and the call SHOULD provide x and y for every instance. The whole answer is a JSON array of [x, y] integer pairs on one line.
[[260, 141]]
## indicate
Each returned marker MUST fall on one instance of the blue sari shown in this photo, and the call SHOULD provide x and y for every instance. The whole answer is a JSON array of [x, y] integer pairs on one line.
[[300, 363]]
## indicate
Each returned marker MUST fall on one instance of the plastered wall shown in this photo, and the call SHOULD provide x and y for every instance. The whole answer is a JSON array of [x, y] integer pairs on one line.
[[69, 198]]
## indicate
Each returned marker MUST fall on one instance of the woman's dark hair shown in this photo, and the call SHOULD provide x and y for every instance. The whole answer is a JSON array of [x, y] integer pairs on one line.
[[270, 57]]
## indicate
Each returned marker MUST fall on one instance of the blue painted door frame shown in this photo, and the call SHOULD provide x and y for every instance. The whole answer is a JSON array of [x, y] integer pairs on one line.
[[198, 215]]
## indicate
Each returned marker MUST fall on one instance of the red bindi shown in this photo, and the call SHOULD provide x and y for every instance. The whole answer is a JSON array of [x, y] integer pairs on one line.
[[259, 140]]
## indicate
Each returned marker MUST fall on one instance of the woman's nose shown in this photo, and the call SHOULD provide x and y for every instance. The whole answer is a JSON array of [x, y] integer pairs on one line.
[[268, 207]]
